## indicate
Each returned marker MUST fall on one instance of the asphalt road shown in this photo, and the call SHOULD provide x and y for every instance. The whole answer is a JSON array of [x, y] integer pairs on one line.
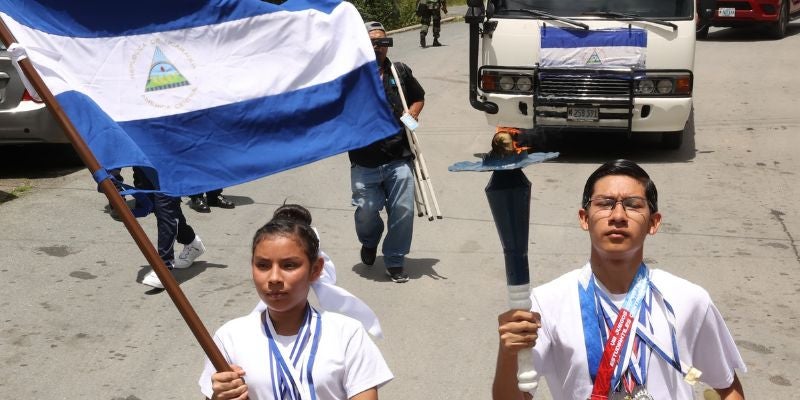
[[76, 324]]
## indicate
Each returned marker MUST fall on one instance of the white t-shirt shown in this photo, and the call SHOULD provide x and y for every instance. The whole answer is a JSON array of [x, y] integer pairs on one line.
[[347, 361], [703, 338]]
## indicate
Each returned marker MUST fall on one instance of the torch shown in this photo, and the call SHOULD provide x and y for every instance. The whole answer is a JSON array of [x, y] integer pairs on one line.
[[509, 196]]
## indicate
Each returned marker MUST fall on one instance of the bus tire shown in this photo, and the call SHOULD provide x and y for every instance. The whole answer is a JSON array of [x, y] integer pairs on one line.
[[671, 140], [674, 140], [702, 32]]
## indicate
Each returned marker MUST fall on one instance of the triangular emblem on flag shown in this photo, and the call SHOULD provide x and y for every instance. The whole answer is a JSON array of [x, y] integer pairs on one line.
[[171, 114], [602, 48], [163, 75], [594, 59]]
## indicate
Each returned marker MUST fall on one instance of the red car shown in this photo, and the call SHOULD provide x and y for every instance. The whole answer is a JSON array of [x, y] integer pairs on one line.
[[773, 14]]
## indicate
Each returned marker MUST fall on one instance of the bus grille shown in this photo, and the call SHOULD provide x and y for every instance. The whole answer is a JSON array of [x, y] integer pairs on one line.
[[583, 88]]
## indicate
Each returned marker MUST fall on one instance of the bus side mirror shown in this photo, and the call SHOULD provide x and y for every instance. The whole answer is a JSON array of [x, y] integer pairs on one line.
[[476, 12]]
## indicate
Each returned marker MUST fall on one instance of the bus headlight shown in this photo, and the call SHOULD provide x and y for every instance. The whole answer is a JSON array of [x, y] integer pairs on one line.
[[524, 84], [663, 83], [516, 81], [506, 83], [646, 86], [664, 86]]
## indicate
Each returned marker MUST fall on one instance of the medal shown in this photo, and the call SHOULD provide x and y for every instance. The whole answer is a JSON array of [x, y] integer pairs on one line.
[[640, 393], [620, 396]]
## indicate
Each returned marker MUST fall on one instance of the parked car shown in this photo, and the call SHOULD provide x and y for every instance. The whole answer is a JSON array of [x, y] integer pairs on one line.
[[774, 15], [23, 120]]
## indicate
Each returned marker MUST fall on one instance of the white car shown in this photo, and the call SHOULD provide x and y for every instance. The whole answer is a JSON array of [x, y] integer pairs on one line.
[[23, 120]]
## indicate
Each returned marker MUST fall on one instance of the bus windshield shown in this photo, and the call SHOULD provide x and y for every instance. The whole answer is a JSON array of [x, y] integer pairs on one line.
[[662, 9]]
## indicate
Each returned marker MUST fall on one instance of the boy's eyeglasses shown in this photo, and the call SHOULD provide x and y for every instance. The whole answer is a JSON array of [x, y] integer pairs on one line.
[[634, 206]]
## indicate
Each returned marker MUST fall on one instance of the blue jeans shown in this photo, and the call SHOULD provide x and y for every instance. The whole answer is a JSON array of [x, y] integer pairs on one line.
[[390, 185], [170, 222]]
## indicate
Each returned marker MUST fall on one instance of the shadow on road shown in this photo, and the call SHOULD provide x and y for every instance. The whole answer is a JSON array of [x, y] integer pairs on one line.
[[181, 275], [597, 148], [38, 161], [753, 33], [416, 268]]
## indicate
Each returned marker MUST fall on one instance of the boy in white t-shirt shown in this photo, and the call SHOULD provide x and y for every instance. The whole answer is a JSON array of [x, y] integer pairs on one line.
[[615, 328]]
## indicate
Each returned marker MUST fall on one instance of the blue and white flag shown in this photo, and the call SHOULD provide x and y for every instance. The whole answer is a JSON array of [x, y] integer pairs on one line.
[[208, 93], [564, 48]]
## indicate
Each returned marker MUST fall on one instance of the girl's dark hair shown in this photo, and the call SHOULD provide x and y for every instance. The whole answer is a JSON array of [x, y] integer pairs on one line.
[[290, 229], [626, 168], [293, 212]]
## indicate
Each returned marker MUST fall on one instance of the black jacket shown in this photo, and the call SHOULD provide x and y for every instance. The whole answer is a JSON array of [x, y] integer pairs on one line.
[[394, 147]]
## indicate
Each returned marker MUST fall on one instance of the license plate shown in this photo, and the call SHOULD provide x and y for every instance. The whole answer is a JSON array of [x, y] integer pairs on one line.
[[582, 114], [726, 12]]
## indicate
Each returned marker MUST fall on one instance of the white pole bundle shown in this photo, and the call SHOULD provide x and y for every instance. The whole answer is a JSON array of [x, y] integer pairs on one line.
[[420, 167]]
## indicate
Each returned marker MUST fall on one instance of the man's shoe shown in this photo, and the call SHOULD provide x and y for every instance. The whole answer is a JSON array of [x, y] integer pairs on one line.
[[436, 42], [151, 279], [221, 202], [397, 274], [368, 255], [199, 204], [190, 253], [421, 40]]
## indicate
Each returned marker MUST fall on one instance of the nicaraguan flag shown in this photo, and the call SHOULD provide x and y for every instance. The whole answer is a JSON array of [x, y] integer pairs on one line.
[[209, 93], [563, 47]]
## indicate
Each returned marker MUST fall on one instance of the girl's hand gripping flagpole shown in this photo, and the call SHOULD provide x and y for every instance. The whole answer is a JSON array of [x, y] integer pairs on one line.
[[420, 167], [509, 195], [102, 177]]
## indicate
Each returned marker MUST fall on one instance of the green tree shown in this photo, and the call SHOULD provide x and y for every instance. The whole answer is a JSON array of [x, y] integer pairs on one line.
[[393, 14]]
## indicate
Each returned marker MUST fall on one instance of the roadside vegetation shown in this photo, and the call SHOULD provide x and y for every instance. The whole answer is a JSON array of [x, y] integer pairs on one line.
[[393, 14], [16, 192]]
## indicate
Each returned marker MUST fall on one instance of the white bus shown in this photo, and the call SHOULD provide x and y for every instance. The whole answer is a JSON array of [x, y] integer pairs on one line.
[[592, 65]]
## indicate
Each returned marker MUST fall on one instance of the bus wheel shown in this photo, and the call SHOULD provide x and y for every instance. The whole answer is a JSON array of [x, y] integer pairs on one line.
[[702, 32], [672, 140]]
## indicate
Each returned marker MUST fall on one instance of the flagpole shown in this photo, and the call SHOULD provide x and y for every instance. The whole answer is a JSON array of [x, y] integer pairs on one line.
[[145, 246]]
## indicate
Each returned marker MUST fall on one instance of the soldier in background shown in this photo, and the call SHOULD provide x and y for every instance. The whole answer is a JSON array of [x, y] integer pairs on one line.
[[428, 10]]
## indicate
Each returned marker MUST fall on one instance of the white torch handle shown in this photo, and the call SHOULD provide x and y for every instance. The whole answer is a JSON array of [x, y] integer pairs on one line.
[[519, 298]]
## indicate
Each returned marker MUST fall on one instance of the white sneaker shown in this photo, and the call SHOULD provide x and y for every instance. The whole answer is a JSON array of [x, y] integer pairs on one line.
[[151, 279], [189, 253]]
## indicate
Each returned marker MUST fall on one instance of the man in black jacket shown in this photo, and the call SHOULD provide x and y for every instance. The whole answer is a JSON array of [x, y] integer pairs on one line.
[[381, 174]]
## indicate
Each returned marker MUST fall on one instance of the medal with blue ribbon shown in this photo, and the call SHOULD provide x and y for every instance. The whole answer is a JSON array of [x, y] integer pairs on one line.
[[291, 373], [623, 364]]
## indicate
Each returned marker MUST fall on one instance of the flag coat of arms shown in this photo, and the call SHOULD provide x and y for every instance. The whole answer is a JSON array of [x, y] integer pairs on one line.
[[565, 47], [207, 93]]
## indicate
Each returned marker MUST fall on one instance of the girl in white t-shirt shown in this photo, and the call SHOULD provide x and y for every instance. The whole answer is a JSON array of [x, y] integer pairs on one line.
[[290, 350]]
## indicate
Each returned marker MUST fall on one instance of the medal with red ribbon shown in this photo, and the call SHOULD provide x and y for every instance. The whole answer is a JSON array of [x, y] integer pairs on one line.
[[623, 365], [617, 350]]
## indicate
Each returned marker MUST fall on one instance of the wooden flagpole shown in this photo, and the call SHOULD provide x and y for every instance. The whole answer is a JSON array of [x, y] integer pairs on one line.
[[170, 285]]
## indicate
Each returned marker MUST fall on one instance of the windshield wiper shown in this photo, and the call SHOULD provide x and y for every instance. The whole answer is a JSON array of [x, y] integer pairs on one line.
[[549, 16], [626, 16]]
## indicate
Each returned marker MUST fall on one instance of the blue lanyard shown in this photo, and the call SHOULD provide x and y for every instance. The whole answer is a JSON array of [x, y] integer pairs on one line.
[[284, 386], [594, 324], [638, 372], [596, 320]]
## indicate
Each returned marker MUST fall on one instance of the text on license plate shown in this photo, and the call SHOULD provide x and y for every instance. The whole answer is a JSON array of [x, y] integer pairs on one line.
[[582, 114], [726, 12]]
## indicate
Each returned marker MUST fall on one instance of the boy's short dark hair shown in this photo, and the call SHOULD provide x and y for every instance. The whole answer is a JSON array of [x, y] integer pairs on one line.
[[626, 168]]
